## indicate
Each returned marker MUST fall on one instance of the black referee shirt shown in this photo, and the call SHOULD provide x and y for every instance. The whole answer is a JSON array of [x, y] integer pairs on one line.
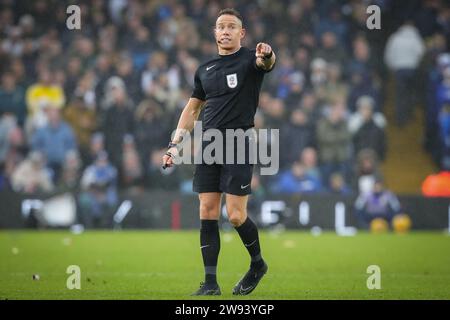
[[230, 85]]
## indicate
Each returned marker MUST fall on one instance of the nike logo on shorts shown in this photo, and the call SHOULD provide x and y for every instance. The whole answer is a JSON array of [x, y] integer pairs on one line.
[[204, 246], [207, 68], [243, 187]]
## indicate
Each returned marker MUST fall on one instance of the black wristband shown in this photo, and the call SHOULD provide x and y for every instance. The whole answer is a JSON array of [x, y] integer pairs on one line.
[[268, 56], [169, 154]]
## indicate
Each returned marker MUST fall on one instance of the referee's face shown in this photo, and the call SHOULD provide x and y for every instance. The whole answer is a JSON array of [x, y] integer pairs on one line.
[[228, 32]]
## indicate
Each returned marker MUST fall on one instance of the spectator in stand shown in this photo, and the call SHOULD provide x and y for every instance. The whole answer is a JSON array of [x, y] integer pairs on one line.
[[84, 48], [151, 128], [442, 93], [73, 73], [443, 117], [330, 51], [444, 128], [70, 176], [132, 173], [318, 78], [361, 63], [103, 70], [8, 123], [379, 203], [118, 120], [295, 180], [338, 186], [361, 84], [311, 107], [99, 196], [54, 140], [309, 159], [403, 53], [85, 90], [275, 113], [265, 102], [125, 70], [334, 87], [82, 120], [161, 81], [31, 175], [439, 62], [189, 66], [367, 171], [12, 148], [302, 59], [295, 137], [426, 19], [332, 20], [12, 98], [291, 83], [23, 77], [13, 44], [96, 145], [334, 141], [42, 95], [141, 47], [443, 19], [367, 128]]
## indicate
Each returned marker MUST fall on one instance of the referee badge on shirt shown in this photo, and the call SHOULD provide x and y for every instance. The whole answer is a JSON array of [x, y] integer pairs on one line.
[[232, 80]]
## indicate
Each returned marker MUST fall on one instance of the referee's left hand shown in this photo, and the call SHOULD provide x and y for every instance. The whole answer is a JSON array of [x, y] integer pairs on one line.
[[262, 50]]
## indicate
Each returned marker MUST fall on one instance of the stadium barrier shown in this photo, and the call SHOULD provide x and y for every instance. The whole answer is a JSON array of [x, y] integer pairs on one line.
[[172, 210]]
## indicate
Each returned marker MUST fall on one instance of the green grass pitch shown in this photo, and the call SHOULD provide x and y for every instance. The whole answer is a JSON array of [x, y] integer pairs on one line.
[[167, 265]]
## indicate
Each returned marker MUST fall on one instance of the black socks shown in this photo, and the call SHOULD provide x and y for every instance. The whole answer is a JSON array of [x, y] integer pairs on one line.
[[210, 247], [249, 236]]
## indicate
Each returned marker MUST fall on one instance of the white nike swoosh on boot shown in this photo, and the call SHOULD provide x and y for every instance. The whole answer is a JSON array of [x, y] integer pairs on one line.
[[244, 290]]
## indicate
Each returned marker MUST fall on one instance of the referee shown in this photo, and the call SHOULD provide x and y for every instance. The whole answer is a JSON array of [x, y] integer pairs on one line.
[[227, 88]]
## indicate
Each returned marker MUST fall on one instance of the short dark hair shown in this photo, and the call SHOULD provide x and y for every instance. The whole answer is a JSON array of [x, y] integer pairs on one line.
[[232, 12]]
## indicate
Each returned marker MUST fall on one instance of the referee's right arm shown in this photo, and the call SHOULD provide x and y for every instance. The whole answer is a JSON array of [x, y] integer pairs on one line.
[[185, 124]]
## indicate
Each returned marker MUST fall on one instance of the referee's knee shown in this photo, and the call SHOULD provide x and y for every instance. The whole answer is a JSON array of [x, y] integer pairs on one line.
[[209, 211], [237, 217]]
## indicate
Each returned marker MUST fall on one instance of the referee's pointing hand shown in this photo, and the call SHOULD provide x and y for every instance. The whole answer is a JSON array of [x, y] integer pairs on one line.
[[262, 50]]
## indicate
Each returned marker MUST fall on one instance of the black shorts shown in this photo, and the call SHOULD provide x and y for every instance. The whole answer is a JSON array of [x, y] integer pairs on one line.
[[228, 178]]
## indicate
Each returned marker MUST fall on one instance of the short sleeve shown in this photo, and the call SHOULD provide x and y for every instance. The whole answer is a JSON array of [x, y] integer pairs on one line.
[[198, 91]]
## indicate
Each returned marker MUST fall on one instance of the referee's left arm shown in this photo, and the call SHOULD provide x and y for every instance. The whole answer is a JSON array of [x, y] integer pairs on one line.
[[265, 57]]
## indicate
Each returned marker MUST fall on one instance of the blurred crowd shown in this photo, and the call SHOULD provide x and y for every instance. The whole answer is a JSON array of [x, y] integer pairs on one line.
[[93, 109]]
